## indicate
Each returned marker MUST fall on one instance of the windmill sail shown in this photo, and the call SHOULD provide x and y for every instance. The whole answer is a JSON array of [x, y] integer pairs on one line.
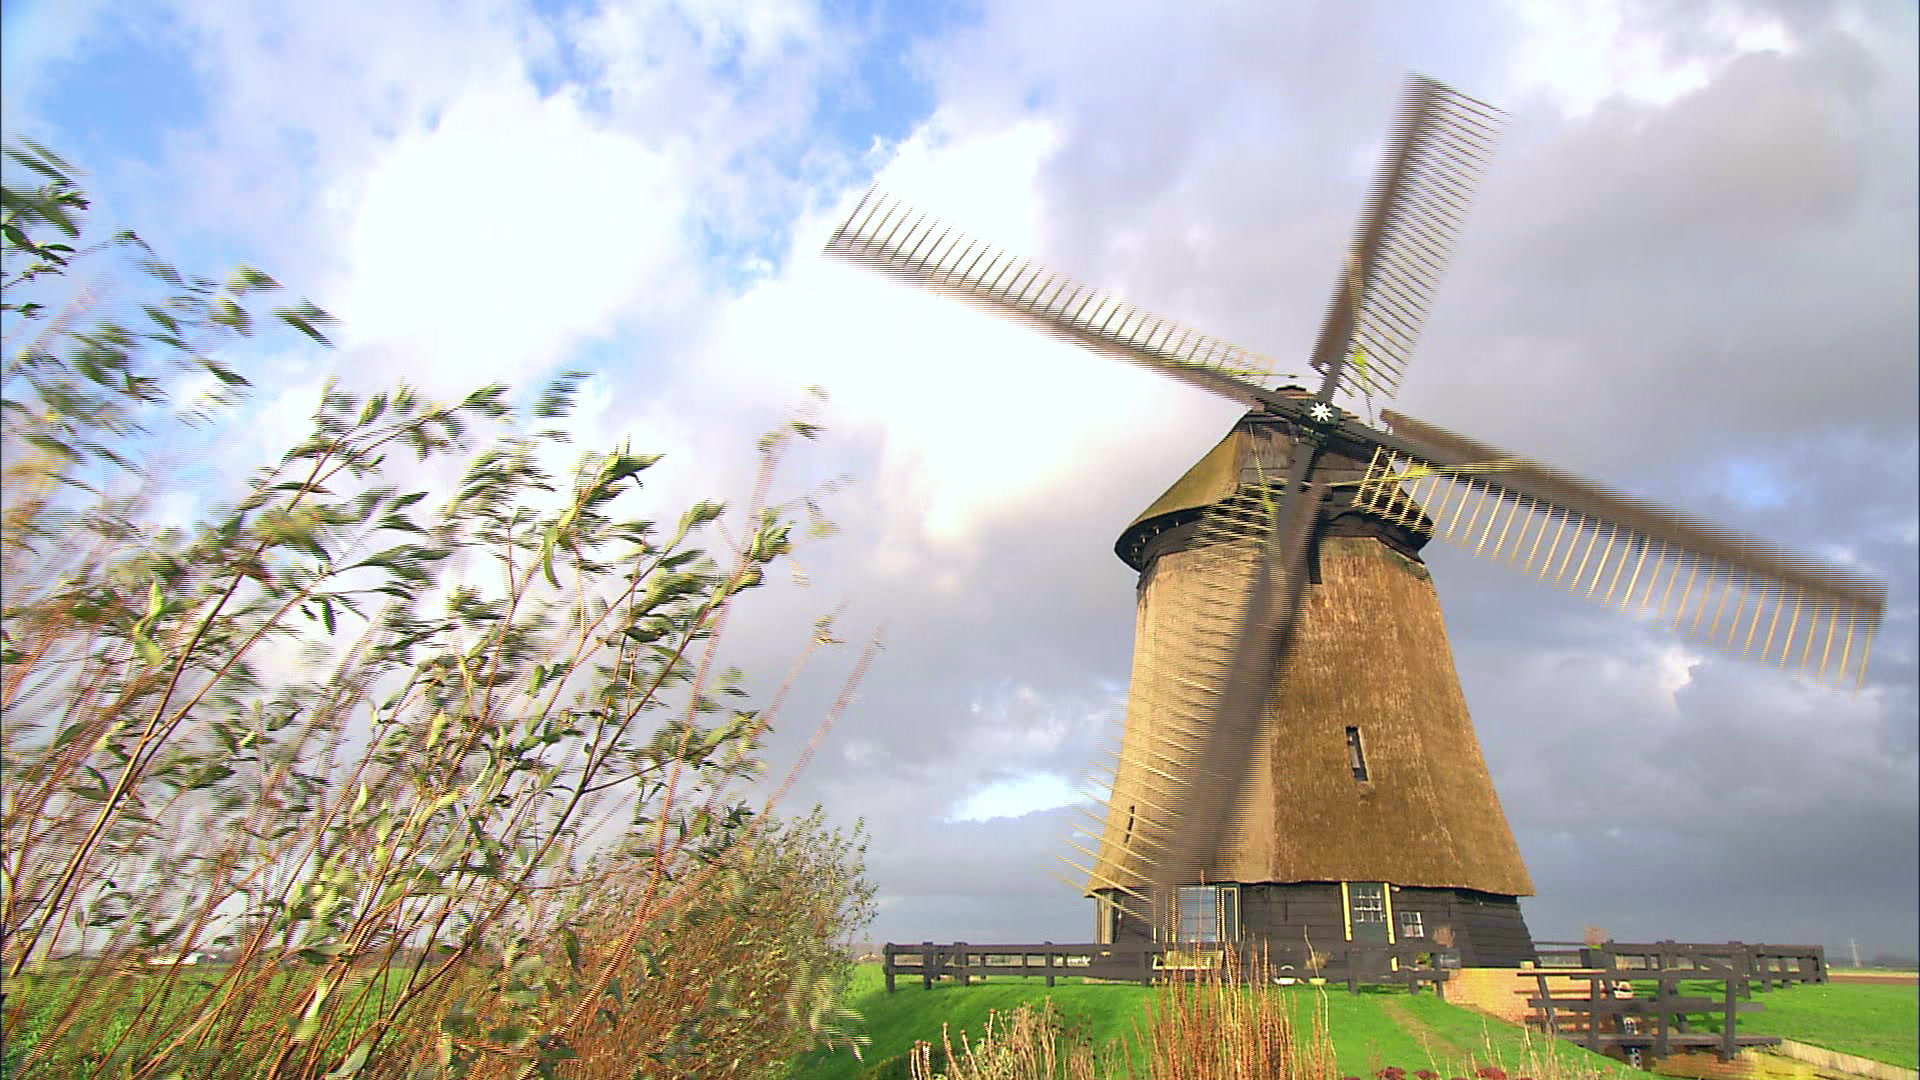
[[1705, 582], [1183, 687], [886, 234], [1441, 142]]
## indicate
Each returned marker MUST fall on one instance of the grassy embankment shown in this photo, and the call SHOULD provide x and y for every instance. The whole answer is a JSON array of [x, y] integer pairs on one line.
[[1381, 1027], [1876, 1022], [1375, 1029]]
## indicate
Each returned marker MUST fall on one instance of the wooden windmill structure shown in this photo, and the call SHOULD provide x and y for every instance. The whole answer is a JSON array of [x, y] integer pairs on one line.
[[1298, 762]]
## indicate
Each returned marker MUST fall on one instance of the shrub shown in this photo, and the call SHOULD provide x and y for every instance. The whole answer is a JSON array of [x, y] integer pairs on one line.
[[449, 774]]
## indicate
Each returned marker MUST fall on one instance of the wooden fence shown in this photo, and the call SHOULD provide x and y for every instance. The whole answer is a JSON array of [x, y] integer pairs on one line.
[[1600, 1021], [1767, 966], [1150, 962]]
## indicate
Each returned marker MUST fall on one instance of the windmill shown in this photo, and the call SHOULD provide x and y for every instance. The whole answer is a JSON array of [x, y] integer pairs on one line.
[[1298, 763]]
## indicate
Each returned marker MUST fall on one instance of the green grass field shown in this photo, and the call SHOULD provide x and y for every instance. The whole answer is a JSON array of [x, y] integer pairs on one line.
[[1877, 1022], [1371, 1030], [44, 995]]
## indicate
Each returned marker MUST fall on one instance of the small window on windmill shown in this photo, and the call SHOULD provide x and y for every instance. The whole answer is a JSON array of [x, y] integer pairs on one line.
[[1411, 924], [1356, 754], [1369, 899], [1129, 837]]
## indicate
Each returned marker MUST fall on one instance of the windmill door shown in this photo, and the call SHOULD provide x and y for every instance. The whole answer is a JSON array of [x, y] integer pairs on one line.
[[1367, 912]]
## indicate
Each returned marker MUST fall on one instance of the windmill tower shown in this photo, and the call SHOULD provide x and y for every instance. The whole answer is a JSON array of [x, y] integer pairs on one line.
[[1298, 760], [1368, 813]]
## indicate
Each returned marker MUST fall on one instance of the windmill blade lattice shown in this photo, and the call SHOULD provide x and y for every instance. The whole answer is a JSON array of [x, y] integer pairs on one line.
[[1442, 140], [1181, 678], [886, 234], [1706, 583]]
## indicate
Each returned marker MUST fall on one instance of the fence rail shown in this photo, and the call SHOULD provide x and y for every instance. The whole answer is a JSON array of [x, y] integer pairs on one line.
[[1766, 965], [1150, 962], [1601, 1021]]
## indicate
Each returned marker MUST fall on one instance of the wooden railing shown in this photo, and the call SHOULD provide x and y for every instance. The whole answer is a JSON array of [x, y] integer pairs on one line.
[[1600, 1021], [1766, 965], [1151, 962]]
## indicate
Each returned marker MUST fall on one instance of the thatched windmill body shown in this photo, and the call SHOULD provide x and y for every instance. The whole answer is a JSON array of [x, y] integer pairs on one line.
[[1298, 762], [1366, 812]]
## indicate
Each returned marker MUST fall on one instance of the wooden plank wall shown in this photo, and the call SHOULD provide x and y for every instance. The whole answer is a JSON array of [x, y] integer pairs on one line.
[[1489, 930]]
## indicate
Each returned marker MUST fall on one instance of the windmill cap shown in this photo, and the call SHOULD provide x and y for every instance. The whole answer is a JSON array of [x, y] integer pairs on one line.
[[1217, 476]]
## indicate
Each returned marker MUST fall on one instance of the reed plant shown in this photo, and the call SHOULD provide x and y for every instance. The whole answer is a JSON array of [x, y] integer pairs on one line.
[[426, 739], [1217, 1023]]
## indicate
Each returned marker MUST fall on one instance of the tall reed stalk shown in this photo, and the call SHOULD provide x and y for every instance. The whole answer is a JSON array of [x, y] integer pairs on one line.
[[433, 752], [1226, 1022]]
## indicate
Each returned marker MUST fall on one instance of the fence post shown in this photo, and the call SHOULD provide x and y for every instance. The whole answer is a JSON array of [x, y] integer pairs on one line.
[[1546, 1004], [1661, 1044], [960, 960], [886, 965], [926, 965], [1729, 1043], [1596, 996], [1048, 960]]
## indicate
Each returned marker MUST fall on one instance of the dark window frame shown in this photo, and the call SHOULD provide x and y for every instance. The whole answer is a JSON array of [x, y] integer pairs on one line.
[[1202, 911], [1367, 901], [1411, 924]]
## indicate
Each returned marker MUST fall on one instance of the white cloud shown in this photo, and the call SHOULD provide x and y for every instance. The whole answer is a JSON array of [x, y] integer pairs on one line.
[[1675, 667], [1582, 53], [486, 247], [1016, 797]]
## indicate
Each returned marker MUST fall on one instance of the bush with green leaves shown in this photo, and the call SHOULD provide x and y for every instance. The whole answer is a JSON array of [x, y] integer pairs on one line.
[[384, 732]]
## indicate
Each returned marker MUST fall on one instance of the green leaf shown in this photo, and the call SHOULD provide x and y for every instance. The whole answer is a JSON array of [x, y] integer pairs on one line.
[[320, 954], [699, 514], [547, 545], [307, 319], [228, 313], [459, 1020], [149, 651], [246, 278], [557, 399], [353, 1064], [510, 1034]]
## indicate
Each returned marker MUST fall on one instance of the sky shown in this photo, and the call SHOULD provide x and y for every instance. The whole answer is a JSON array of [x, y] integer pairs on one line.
[[1690, 274]]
